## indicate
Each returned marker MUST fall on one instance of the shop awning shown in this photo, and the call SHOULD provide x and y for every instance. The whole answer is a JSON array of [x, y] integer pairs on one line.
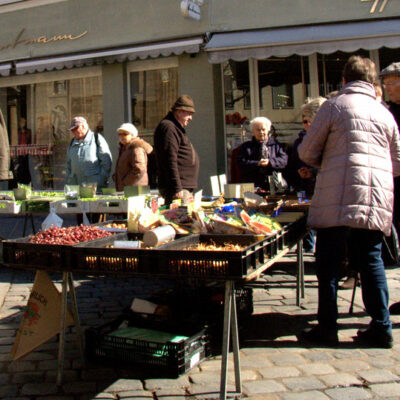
[[305, 40], [176, 47], [5, 69]]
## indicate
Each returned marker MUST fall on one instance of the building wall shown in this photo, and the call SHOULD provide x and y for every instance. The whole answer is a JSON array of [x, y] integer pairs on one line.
[[115, 108], [98, 24], [197, 78]]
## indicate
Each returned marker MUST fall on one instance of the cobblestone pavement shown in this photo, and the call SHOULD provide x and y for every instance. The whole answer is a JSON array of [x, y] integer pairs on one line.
[[274, 365]]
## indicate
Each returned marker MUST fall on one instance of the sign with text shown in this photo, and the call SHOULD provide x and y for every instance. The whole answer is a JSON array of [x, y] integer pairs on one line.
[[41, 319]]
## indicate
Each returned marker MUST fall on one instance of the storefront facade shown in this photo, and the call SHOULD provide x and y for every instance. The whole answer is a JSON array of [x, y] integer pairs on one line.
[[115, 62], [292, 52]]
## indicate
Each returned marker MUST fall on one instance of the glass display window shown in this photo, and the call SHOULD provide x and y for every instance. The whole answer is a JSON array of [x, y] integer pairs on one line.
[[330, 68], [153, 90], [38, 119]]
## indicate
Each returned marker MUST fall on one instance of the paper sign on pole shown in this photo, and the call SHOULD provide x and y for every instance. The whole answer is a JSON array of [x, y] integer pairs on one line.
[[41, 319]]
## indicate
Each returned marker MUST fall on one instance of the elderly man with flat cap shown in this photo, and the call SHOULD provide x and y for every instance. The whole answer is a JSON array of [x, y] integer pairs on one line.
[[88, 156], [177, 160], [390, 77]]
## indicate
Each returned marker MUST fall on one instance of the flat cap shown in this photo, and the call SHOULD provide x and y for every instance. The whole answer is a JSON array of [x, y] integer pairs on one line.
[[392, 69]]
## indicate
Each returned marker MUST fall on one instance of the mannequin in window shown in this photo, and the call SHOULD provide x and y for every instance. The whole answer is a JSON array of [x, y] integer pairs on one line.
[[24, 134]]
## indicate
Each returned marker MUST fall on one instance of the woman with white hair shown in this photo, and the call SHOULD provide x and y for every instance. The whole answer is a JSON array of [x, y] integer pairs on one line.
[[262, 155], [131, 166]]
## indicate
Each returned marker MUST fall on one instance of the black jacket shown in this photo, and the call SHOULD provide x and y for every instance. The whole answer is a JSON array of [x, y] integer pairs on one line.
[[295, 164], [251, 153], [177, 160]]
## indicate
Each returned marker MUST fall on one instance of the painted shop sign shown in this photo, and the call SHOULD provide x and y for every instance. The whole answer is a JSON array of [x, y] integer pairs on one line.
[[374, 6], [42, 39]]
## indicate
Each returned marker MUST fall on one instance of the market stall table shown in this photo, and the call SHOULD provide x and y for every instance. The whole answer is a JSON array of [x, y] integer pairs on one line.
[[167, 262]]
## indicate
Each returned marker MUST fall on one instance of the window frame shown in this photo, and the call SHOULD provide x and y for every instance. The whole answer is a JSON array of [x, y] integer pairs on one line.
[[146, 65]]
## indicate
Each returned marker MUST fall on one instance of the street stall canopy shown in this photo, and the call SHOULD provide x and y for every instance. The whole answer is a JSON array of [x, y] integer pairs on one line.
[[303, 40], [5, 69], [191, 45]]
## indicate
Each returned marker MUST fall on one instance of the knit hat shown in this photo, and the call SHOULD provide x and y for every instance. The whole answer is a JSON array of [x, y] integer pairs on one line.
[[185, 103], [127, 127], [392, 69]]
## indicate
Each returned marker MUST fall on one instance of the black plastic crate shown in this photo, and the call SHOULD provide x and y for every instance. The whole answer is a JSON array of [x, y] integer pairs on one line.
[[163, 359], [98, 256], [173, 260], [19, 252]]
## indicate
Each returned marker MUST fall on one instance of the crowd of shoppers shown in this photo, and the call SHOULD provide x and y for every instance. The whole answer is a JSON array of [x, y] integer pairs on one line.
[[347, 157]]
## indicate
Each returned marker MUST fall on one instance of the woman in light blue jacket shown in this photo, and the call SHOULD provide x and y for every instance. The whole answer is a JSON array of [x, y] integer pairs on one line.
[[88, 156]]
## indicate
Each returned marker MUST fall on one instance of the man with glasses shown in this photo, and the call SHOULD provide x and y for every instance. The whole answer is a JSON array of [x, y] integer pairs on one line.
[[88, 156], [390, 77]]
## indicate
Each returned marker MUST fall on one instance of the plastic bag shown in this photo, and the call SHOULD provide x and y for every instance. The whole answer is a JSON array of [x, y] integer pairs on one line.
[[52, 220], [85, 219]]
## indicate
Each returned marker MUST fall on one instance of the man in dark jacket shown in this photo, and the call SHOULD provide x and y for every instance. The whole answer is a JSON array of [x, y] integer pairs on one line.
[[391, 82], [177, 160], [262, 155]]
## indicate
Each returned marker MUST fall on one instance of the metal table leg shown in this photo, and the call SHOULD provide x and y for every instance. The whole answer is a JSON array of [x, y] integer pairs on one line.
[[61, 343], [230, 324], [235, 341], [300, 272], [67, 282], [76, 316]]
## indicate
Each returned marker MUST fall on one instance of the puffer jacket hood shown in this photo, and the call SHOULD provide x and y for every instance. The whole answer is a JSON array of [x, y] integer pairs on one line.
[[354, 141]]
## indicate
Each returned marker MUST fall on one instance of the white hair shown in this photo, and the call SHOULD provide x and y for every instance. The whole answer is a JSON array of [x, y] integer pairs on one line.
[[260, 120], [128, 127]]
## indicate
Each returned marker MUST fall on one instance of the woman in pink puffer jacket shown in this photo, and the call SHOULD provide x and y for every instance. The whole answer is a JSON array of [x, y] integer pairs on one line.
[[354, 142]]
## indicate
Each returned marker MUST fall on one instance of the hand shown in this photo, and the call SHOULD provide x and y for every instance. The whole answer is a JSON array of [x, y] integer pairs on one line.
[[178, 195], [305, 173], [263, 162]]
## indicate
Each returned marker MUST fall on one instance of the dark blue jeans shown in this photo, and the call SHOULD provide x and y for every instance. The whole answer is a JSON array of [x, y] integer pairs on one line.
[[363, 248]]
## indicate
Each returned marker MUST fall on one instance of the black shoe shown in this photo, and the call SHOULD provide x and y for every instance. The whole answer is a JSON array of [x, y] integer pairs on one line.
[[319, 335], [394, 309], [374, 338]]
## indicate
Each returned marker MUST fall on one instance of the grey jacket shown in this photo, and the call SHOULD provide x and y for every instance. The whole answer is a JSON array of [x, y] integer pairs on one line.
[[87, 162], [354, 141]]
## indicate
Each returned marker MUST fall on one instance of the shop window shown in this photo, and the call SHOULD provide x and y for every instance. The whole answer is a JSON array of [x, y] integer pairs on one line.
[[152, 94], [330, 68], [247, 100], [43, 112], [282, 97]]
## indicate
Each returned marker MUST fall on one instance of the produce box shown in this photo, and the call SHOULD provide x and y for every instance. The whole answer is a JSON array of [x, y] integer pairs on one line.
[[109, 206], [98, 255], [19, 252], [71, 206], [173, 260], [36, 206], [9, 207], [162, 352], [50, 249]]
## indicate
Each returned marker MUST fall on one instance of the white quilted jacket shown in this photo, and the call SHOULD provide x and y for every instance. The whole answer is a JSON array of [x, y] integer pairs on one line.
[[354, 141]]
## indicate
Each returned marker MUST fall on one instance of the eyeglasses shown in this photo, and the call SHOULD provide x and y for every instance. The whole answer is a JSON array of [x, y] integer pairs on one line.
[[306, 121], [123, 133]]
